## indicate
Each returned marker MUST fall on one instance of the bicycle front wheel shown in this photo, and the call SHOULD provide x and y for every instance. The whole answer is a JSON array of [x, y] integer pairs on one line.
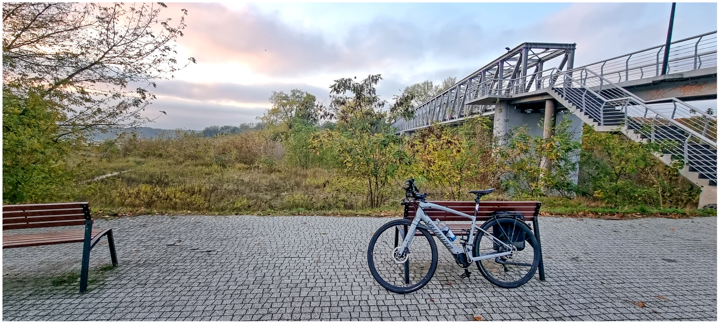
[[401, 271], [508, 235]]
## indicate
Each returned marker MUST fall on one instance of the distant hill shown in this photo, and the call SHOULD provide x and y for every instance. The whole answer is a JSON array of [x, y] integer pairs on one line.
[[142, 132]]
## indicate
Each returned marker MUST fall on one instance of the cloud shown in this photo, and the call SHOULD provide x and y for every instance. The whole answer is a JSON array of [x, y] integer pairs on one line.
[[224, 92], [217, 34], [269, 46], [198, 115], [405, 50], [603, 30]]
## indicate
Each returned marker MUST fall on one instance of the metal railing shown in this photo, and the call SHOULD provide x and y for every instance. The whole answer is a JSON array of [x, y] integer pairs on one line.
[[697, 52], [687, 54], [685, 132]]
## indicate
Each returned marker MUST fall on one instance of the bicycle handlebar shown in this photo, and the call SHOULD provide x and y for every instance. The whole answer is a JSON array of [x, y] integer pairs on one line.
[[412, 191]]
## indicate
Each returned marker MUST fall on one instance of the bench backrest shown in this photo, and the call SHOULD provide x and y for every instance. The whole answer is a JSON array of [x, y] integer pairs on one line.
[[45, 215], [529, 209]]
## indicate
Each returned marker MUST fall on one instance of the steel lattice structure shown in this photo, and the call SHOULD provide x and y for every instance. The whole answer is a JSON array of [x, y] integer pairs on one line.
[[455, 104]]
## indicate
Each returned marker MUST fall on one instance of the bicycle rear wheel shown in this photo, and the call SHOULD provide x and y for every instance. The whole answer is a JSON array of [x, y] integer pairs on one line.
[[512, 270], [397, 272]]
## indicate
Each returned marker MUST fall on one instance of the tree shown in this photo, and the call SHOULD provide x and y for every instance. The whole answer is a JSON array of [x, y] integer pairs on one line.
[[362, 140], [523, 156], [213, 131], [287, 108], [620, 171], [453, 156], [424, 91], [96, 62], [33, 159], [69, 68]]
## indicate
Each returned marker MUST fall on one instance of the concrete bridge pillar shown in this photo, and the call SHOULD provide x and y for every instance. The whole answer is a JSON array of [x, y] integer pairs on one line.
[[507, 117], [549, 126], [501, 121], [708, 196]]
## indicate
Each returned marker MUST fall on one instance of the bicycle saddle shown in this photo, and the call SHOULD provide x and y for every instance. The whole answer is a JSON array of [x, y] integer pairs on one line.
[[482, 192]]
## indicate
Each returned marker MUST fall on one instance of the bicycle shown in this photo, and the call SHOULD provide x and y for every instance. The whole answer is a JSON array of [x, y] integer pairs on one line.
[[402, 264]]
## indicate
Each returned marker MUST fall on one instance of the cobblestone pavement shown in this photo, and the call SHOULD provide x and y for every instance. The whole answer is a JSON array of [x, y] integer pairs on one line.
[[315, 268]]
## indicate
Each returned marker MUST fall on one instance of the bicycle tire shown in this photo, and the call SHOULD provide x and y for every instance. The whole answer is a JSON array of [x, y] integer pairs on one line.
[[507, 272], [395, 276]]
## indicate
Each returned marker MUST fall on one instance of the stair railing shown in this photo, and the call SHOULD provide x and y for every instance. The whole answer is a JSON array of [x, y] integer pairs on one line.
[[678, 111], [674, 132]]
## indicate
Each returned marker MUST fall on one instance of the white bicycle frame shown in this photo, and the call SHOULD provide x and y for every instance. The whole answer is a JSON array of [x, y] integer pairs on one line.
[[420, 215]]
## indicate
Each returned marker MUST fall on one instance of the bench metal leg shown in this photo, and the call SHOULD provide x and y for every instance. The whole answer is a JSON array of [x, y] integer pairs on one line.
[[537, 237], [407, 263], [111, 244], [85, 258]]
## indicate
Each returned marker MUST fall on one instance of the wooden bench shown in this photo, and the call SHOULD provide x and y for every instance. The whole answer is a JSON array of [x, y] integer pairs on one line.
[[461, 225], [52, 215]]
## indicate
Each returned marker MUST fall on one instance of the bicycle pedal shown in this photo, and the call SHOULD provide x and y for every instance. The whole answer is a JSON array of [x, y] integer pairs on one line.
[[466, 274]]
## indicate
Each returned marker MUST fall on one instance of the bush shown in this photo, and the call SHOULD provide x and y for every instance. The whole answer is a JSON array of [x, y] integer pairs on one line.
[[524, 153], [451, 158], [34, 157], [621, 172]]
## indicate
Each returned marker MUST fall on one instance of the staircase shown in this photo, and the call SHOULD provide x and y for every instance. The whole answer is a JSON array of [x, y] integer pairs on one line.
[[684, 134]]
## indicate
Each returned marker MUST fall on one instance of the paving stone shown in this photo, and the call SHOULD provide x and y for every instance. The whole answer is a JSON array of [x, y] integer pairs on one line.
[[232, 268]]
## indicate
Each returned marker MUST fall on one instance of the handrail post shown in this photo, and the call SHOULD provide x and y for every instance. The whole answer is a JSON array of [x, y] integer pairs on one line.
[[674, 109], [602, 115], [657, 61], [685, 151], [624, 109], [695, 57], [652, 129], [627, 68]]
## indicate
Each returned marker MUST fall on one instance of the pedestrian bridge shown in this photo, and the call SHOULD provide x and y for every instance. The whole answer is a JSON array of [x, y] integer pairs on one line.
[[628, 93]]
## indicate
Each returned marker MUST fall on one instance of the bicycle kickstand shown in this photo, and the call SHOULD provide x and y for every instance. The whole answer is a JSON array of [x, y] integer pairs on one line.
[[466, 274]]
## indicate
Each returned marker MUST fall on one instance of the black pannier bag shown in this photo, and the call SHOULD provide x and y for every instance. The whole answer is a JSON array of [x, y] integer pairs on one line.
[[506, 233]]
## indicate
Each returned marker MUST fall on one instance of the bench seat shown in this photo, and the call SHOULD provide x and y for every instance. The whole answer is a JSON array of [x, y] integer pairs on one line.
[[31, 216], [72, 236]]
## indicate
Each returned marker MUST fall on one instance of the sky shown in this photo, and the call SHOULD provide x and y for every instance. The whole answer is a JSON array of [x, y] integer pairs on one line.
[[247, 50]]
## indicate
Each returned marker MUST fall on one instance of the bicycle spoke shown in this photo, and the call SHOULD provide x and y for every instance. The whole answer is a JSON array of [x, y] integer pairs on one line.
[[400, 272], [509, 270]]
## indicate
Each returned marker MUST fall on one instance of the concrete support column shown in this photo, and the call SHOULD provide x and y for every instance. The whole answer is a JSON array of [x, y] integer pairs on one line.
[[549, 126], [576, 128], [501, 125], [708, 196]]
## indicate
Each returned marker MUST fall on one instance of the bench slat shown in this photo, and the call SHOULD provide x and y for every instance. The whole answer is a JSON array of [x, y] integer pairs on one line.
[[44, 224], [486, 209], [527, 208], [31, 207], [482, 202], [482, 215], [30, 220], [22, 240], [48, 212]]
